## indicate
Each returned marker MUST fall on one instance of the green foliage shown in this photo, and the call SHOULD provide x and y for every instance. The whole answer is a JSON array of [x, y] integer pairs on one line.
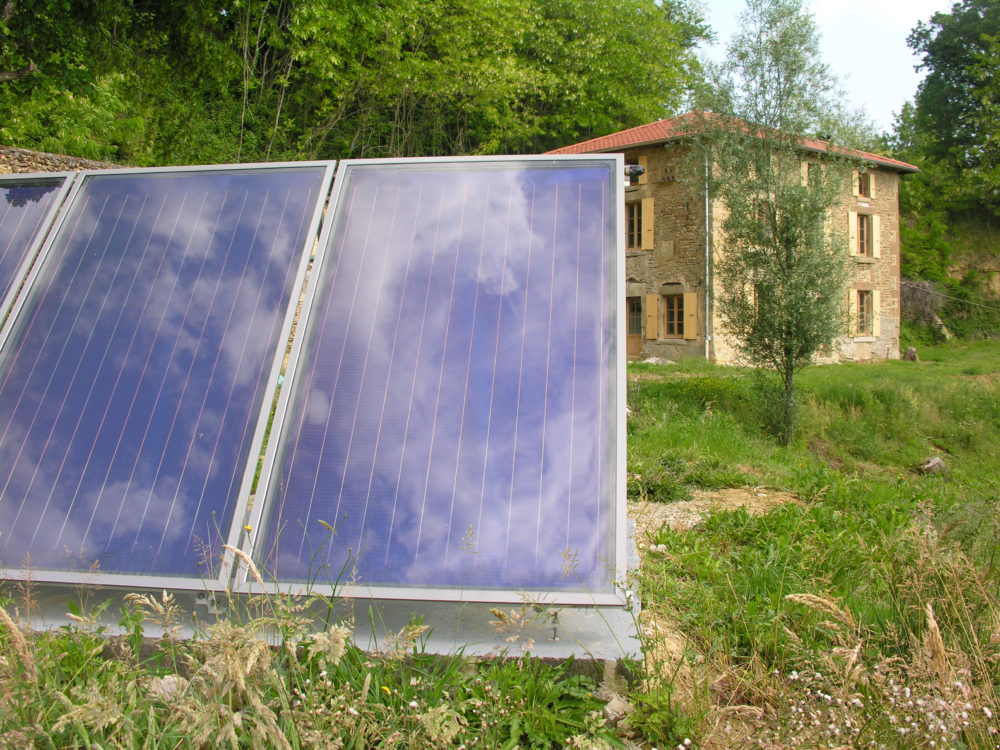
[[956, 115], [188, 82]]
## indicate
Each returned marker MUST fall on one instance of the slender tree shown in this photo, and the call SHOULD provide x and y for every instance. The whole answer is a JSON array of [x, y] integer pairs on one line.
[[781, 274]]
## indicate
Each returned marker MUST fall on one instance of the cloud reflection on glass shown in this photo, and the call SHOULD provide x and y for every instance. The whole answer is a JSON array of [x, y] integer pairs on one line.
[[452, 418], [130, 387]]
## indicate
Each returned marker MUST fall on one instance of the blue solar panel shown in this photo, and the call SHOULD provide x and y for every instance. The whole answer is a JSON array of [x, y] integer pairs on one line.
[[26, 205], [130, 387], [452, 421]]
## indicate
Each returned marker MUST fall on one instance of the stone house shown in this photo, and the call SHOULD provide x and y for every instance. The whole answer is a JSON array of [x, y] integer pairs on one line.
[[669, 254]]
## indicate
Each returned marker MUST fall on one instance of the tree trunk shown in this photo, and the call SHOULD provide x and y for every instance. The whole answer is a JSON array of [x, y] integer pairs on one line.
[[788, 415]]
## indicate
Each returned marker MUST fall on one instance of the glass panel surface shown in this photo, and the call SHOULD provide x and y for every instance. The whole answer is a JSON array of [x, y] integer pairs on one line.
[[25, 204], [131, 385], [451, 422]]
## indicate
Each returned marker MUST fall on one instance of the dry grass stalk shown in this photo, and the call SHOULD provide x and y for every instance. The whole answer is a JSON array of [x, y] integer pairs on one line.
[[826, 606], [20, 645], [934, 653], [245, 559]]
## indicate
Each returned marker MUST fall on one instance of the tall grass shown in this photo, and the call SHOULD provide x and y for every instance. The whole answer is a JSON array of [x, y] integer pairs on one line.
[[873, 604]]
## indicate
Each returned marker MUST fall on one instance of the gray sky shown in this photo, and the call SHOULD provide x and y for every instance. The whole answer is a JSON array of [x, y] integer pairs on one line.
[[863, 41]]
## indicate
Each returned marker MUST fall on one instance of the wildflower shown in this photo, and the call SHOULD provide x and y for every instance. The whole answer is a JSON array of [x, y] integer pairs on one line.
[[986, 710], [414, 704]]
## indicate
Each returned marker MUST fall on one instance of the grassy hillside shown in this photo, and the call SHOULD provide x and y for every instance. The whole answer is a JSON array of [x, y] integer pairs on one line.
[[865, 613]]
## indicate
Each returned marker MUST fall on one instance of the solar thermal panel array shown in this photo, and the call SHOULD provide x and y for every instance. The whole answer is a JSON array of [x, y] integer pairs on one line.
[[133, 378], [452, 424], [450, 427]]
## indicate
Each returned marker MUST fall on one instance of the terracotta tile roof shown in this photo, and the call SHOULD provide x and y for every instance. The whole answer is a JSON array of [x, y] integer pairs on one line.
[[672, 128]]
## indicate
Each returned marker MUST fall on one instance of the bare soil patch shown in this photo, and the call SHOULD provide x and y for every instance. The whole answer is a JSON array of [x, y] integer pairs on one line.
[[683, 516]]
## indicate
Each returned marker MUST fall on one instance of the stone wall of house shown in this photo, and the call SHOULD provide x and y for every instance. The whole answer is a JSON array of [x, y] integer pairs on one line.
[[876, 274], [675, 264], [19, 160]]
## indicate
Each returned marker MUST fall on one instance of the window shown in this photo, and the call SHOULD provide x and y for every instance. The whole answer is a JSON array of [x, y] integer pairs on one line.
[[633, 225], [673, 315], [865, 235], [864, 185], [634, 316], [866, 313]]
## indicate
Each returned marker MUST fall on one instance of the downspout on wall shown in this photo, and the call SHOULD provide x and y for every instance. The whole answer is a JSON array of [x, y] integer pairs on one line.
[[708, 267]]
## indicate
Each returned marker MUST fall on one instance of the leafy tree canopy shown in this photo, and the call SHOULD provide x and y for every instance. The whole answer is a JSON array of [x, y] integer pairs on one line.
[[194, 81]]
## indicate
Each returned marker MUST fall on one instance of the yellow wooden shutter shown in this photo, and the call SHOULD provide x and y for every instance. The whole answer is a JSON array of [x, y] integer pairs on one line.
[[852, 311], [876, 237], [648, 220], [652, 316], [854, 184], [876, 313], [643, 162], [852, 232], [871, 184], [691, 315], [805, 172]]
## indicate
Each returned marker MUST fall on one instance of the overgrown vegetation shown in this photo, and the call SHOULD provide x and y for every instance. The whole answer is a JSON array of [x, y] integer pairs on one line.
[[866, 613]]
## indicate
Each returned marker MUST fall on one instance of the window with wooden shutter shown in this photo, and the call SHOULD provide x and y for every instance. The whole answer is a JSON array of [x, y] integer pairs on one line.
[[673, 316], [647, 224], [690, 315], [876, 237], [652, 316], [854, 183]]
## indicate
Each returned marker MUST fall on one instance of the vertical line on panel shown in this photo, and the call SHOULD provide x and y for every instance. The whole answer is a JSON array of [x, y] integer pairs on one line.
[[602, 396], [444, 352], [496, 356], [468, 372], [34, 366], [76, 371], [303, 394], [94, 381], [548, 360], [118, 377], [413, 382], [392, 361], [364, 372], [169, 361], [576, 331], [520, 375], [340, 364]]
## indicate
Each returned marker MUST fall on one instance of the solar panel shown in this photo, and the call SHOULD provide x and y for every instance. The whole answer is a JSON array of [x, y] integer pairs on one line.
[[144, 351], [451, 425], [27, 205]]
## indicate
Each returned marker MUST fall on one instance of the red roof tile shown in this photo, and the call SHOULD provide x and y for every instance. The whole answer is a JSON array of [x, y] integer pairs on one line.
[[672, 128]]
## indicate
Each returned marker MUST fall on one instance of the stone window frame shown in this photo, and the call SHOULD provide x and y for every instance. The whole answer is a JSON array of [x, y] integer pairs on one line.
[[865, 324]]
